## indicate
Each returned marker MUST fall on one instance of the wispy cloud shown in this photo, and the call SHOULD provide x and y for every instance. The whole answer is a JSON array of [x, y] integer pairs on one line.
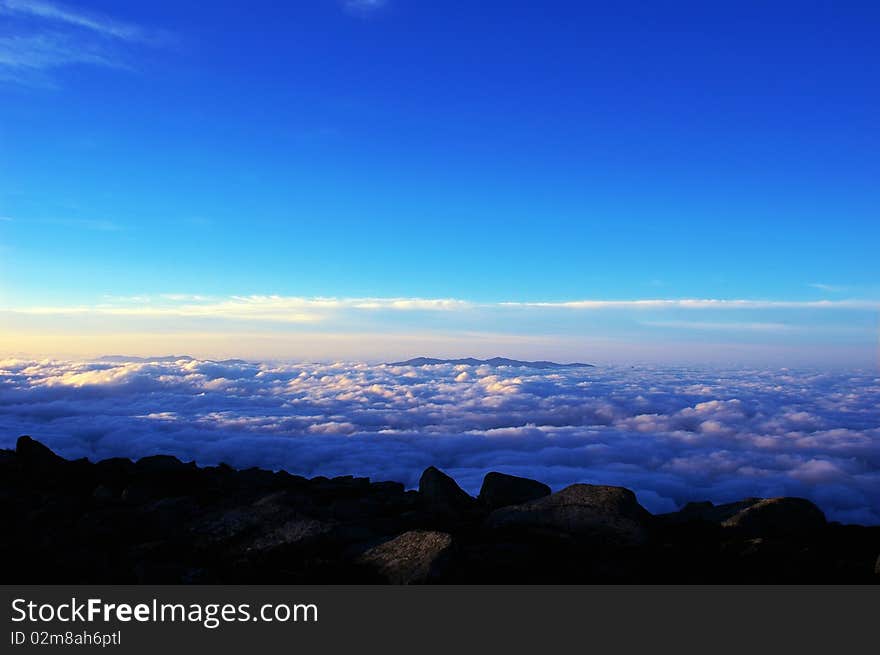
[[97, 225], [724, 326], [39, 37], [282, 309], [701, 303], [363, 6], [297, 309], [50, 50], [830, 288], [54, 12]]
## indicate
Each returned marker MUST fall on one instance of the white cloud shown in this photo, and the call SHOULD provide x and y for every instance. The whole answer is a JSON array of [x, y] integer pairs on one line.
[[726, 326], [831, 288], [55, 12], [702, 303], [285, 309], [304, 309], [672, 435], [46, 51]]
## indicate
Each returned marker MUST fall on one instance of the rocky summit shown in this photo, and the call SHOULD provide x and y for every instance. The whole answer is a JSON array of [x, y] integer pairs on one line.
[[163, 521]]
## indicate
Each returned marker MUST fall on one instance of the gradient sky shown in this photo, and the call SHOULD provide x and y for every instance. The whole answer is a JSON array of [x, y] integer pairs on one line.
[[376, 178]]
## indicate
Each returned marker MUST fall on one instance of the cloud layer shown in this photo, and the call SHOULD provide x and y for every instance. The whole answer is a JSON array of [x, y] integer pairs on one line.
[[672, 435], [295, 309]]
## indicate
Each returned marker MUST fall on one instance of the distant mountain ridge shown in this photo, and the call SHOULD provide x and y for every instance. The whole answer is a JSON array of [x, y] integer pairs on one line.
[[415, 361], [131, 359], [122, 359], [495, 361]]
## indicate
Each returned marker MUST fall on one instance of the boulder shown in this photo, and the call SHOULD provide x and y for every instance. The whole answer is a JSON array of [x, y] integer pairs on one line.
[[255, 479], [438, 488], [415, 557], [608, 515], [168, 514], [297, 531], [33, 454], [162, 464], [388, 487], [103, 493], [9, 461], [270, 522], [139, 493], [707, 511], [501, 490], [774, 517], [115, 468], [227, 525]]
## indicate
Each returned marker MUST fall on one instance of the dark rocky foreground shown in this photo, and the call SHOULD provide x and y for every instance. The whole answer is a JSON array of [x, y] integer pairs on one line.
[[159, 520]]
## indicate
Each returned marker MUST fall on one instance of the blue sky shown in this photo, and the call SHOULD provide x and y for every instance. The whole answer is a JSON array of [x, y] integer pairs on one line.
[[181, 176]]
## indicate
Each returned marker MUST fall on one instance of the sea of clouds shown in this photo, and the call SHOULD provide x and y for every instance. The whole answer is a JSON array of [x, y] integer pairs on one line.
[[671, 435]]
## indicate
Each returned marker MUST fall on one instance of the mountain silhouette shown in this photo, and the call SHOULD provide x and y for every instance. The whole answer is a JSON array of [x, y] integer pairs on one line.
[[495, 361]]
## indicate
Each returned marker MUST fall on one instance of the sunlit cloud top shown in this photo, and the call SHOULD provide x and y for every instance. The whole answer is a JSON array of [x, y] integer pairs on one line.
[[672, 434]]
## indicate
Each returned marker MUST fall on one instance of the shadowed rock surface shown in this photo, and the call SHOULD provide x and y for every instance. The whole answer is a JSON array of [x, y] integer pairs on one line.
[[415, 557], [501, 490], [777, 517], [439, 489], [610, 515], [160, 520]]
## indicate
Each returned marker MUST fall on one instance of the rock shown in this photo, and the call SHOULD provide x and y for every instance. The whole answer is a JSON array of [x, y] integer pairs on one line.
[[162, 464], [355, 509], [773, 517], [351, 481], [500, 490], [103, 493], [388, 487], [9, 461], [162, 520], [226, 525], [610, 515], [248, 522], [33, 454], [138, 493], [707, 511], [170, 513], [115, 467], [106, 526], [415, 557], [255, 478], [438, 488], [295, 532]]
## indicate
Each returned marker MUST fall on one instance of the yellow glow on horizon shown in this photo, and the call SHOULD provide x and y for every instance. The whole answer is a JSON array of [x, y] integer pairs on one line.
[[303, 346], [375, 347]]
